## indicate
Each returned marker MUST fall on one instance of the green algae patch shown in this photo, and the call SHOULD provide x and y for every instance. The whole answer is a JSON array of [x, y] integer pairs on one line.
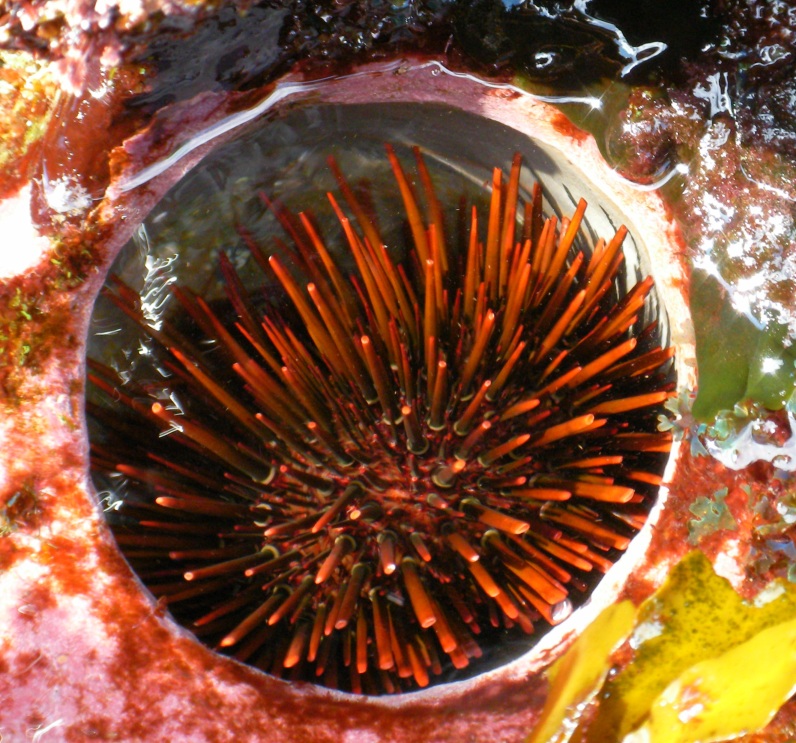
[[724, 340], [737, 361], [27, 95], [37, 317], [712, 515]]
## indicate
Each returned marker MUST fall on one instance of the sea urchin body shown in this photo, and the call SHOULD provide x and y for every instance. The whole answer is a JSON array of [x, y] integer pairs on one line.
[[372, 475]]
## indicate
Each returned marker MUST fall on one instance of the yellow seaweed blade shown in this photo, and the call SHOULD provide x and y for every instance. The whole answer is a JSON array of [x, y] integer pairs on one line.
[[694, 617], [579, 674], [735, 693]]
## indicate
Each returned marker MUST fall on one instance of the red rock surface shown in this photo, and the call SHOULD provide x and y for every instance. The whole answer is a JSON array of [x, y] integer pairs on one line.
[[85, 653]]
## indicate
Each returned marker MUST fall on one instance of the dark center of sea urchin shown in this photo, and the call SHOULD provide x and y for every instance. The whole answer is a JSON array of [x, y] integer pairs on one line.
[[383, 473]]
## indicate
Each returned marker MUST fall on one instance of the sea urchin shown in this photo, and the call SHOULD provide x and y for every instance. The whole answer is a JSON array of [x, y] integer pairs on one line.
[[367, 477]]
